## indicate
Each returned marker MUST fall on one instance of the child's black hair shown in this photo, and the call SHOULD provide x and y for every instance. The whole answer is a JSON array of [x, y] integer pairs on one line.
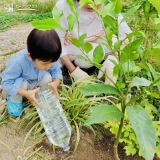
[[44, 45]]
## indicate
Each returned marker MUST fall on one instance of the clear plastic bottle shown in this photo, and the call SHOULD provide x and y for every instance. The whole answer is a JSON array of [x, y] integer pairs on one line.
[[54, 120]]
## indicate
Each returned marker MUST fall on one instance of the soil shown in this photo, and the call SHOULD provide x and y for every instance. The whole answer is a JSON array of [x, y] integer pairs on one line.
[[89, 147]]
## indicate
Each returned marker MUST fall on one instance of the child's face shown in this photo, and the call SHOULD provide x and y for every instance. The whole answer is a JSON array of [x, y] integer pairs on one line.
[[41, 65], [89, 9]]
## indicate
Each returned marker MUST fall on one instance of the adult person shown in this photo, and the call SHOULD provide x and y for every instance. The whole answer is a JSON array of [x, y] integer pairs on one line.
[[89, 23]]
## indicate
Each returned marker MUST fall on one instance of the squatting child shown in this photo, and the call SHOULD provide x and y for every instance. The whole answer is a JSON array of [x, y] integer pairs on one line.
[[30, 69]]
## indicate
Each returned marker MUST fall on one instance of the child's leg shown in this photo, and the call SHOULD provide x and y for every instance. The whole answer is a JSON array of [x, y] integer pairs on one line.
[[15, 107], [45, 79], [42, 83]]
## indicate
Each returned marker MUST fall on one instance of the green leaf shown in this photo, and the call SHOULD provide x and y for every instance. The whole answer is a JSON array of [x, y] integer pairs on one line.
[[75, 42], [126, 140], [153, 94], [105, 10], [128, 66], [46, 24], [130, 150], [156, 4], [71, 19], [144, 130], [135, 44], [82, 37], [110, 22], [136, 81], [136, 69], [157, 20], [83, 2], [118, 6], [117, 45], [99, 1], [82, 57], [71, 5], [98, 54], [143, 65], [151, 106], [117, 69], [57, 13], [138, 34], [87, 47], [154, 74], [103, 113], [97, 89]]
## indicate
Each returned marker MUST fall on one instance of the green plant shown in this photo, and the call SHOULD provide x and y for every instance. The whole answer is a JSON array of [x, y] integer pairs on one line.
[[128, 135]]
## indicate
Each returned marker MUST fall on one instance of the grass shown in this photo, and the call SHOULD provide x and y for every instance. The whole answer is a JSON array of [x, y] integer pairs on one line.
[[9, 20]]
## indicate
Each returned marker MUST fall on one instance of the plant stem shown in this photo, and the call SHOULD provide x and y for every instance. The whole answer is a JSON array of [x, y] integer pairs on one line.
[[146, 30], [119, 134], [117, 140]]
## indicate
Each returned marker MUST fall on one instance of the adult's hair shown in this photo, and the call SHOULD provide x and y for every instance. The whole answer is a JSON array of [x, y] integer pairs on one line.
[[44, 45]]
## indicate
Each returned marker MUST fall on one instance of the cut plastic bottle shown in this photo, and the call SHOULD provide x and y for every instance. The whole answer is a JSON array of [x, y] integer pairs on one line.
[[54, 120]]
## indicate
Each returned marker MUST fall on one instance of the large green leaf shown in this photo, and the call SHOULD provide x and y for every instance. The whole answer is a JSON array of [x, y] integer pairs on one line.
[[103, 113], [97, 89], [144, 130], [46, 24]]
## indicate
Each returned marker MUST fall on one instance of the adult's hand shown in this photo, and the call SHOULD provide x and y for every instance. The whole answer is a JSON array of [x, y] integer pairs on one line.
[[107, 68], [79, 74]]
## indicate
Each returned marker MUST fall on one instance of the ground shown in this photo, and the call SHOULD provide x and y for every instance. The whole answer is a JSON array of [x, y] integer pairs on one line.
[[89, 148]]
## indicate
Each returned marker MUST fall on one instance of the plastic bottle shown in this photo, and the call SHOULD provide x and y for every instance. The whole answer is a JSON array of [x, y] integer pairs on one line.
[[54, 120]]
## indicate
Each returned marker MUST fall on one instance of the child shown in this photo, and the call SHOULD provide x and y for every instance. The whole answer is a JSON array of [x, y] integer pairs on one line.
[[89, 23], [31, 68]]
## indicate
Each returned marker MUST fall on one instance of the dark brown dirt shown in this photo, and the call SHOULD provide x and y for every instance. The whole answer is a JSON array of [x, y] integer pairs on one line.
[[91, 148]]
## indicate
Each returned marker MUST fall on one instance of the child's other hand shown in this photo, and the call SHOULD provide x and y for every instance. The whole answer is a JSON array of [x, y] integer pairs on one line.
[[31, 96], [54, 85]]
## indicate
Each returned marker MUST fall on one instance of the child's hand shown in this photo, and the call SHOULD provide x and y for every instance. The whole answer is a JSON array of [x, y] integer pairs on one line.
[[54, 86], [31, 96]]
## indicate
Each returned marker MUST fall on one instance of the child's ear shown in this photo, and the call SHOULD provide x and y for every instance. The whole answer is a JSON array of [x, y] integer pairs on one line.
[[29, 56]]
